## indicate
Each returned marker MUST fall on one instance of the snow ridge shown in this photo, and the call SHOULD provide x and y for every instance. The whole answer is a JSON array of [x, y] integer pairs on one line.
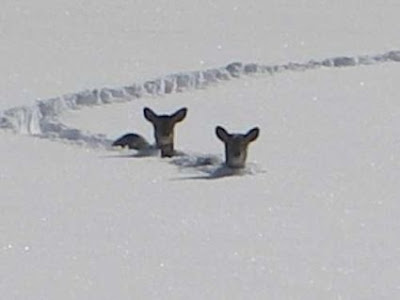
[[41, 119]]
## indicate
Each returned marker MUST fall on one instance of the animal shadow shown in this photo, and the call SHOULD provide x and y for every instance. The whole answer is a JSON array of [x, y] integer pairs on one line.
[[128, 153], [210, 166]]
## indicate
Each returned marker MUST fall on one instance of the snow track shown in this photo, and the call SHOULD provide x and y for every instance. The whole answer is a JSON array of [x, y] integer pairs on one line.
[[41, 119]]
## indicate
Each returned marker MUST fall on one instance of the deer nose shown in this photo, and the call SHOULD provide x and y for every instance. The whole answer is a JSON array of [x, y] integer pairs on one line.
[[164, 140]]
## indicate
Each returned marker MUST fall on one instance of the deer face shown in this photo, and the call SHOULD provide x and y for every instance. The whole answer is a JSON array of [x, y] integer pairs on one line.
[[164, 129], [236, 146]]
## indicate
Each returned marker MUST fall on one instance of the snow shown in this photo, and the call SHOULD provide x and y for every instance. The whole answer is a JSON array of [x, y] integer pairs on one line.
[[314, 215]]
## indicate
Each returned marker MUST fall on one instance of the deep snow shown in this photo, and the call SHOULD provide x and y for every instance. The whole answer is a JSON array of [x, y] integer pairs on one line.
[[315, 216], [41, 119]]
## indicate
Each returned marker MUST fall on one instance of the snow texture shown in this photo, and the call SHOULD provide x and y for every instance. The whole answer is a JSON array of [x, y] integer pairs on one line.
[[41, 119]]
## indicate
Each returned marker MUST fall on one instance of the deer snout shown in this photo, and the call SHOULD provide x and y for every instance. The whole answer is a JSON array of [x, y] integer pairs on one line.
[[164, 140]]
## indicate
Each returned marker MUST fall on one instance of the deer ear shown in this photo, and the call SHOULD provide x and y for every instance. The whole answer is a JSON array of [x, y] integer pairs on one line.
[[221, 133], [252, 134], [149, 114], [179, 115]]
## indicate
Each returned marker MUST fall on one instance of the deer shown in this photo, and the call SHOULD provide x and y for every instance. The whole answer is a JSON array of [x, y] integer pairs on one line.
[[164, 126], [236, 145]]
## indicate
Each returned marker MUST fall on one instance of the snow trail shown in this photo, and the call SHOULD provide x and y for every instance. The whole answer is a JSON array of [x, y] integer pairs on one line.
[[41, 119]]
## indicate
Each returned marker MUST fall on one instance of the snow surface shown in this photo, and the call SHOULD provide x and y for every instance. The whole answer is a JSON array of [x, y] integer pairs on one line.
[[314, 216]]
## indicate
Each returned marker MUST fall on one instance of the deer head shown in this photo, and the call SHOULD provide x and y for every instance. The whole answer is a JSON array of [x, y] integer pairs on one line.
[[164, 129], [236, 145]]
